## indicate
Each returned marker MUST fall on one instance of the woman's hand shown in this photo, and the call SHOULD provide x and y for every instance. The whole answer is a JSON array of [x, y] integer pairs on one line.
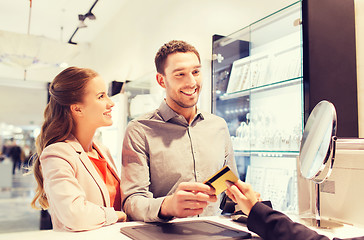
[[242, 194], [121, 216]]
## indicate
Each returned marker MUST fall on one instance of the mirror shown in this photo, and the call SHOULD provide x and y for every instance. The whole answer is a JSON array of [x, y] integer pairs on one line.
[[317, 142], [317, 153]]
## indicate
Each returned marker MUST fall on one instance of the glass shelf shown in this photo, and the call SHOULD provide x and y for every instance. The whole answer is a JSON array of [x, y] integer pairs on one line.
[[263, 153], [267, 87], [257, 82]]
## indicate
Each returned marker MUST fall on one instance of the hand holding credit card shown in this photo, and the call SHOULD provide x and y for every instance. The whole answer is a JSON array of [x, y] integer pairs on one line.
[[218, 180]]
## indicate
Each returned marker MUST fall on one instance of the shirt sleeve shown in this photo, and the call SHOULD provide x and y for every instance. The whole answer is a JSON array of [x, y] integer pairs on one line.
[[272, 225], [66, 196], [229, 151], [137, 201]]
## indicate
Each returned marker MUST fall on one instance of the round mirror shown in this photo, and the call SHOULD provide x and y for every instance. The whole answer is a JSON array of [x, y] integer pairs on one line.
[[317, 142], [317, 153]]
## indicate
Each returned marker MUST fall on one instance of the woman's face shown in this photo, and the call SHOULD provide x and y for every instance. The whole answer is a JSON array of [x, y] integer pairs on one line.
[[96, 105]]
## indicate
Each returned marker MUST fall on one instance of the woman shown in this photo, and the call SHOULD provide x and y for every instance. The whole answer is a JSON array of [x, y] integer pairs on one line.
[[266, 222], [77, 178]]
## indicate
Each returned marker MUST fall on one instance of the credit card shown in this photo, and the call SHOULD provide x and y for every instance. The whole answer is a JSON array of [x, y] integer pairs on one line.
[[217, 181]]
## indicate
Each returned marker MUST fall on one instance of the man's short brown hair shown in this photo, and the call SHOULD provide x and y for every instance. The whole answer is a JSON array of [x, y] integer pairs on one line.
[[173, 46]]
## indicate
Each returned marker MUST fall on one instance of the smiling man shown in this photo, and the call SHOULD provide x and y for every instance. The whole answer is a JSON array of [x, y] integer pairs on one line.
[[168, 153]]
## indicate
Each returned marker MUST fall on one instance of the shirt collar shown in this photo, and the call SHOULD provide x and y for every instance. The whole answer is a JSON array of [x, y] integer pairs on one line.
[[167, 113]]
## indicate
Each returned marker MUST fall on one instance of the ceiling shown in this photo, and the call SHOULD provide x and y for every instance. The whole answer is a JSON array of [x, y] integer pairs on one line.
[[23, 93], [56, 19], [21, 101]]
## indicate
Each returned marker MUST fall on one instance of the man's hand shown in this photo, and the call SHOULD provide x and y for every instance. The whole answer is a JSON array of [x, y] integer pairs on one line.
[[190, 199]]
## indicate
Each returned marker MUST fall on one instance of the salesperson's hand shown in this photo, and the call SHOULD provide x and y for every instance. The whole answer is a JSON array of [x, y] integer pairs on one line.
[[121, 216], [190, 199], [243, 194]]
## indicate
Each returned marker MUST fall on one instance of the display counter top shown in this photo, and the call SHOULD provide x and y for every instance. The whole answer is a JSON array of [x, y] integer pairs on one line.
[[107, 232], [345, 231], [113, 231]]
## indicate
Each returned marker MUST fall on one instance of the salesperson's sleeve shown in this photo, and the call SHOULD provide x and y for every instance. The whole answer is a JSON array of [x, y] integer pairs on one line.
[[137, 201], [274, 225], [67, 198]]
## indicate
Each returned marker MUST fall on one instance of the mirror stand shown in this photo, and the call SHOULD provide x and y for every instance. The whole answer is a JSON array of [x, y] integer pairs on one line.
[[317, 221]]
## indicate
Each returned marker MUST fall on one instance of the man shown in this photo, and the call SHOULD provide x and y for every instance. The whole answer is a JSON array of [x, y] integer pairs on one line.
[[15, 153], [167, 154]]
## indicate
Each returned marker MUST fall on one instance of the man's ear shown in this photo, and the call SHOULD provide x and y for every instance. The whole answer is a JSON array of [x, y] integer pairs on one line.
[[161, 80], [76, 109]]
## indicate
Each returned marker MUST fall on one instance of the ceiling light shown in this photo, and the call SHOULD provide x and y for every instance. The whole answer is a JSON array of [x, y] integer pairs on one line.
[[31, 51], [81, 17], [63, 65]]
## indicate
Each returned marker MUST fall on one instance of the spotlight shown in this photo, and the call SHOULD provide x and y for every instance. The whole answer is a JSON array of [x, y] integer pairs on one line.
[[90, 16], [81, 17]]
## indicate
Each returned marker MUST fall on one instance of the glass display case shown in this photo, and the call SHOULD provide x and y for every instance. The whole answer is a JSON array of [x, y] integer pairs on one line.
[[144, 95], [258, 89], [135, 98]]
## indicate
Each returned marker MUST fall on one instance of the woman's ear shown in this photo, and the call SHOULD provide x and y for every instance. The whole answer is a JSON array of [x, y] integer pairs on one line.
[[76, 110], [161, 80]]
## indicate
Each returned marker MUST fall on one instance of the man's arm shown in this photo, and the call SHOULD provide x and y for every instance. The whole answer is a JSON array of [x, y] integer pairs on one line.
[[137, 201], [229, 152]]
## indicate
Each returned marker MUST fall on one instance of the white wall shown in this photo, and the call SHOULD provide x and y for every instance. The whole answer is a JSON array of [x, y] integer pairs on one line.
[[359, 20], [126, 48]]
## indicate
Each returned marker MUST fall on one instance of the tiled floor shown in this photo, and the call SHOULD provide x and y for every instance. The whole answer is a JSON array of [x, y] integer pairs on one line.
[[16, 214]]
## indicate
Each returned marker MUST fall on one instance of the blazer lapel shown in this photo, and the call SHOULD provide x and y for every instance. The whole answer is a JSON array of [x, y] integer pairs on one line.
[[91, 169]]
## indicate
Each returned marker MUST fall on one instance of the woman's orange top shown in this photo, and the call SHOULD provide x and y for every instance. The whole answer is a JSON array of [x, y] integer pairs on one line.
[[110, 179]]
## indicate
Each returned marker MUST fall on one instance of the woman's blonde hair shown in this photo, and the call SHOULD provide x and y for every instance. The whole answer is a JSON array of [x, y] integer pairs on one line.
[[67, 88]]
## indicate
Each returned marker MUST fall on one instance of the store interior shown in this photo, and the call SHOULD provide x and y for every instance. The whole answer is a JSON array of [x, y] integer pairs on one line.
[[40, 38]]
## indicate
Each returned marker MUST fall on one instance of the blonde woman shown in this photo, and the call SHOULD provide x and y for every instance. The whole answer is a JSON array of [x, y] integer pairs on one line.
[[77, 179]]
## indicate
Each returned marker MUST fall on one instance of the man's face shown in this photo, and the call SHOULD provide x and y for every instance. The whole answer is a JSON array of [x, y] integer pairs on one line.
[[182, 80]]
